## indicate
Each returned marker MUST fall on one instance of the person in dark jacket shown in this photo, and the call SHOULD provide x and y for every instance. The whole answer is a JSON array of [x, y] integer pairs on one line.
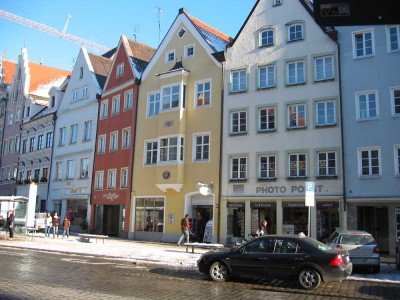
[[56, 223], [10, 223], [66, 225]]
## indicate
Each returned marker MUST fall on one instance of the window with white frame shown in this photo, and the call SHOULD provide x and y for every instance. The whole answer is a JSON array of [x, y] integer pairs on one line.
[[84, 172], [128, 101], [85, 92], [201, 147], [11, 145], [325, 112], [266, 37], [5, 147], [266, 76], [101, 144], [238, 81], [296, 73], [74, 134], [10, 118], [31, 144], [203, 93], [18, 114], [297, 115], [267, 166], [395, 97], [104, 109], [115, 105], [24, 145], [367, 105], [363, 44], [114, 141], [49, 139], [170, 56], [238, 122], [393, 32], [189, 51], [151, 149], [238, 168], [87, 131], [171, 96], [171, 149], [112, 179], [295, 32], [99, 180], [397, 159], [153, 104], [266, 118], [276, 2], [324, 68], [369, 161], [70, 169], [297, 165], [75, 95], [17, 144], [126, 138], [40, 142], [62, 139], [326, 163], [124, 177], [120, 70]]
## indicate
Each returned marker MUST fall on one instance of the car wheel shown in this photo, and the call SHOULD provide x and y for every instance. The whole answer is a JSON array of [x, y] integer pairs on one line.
[[218, 271], [309, 279]]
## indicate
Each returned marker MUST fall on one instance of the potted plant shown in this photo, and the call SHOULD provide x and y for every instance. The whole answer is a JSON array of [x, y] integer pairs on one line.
[[84, 225], [27, 181], [43, 180]]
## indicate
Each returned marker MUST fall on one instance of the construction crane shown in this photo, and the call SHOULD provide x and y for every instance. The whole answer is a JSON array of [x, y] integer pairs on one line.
[[44, 28]]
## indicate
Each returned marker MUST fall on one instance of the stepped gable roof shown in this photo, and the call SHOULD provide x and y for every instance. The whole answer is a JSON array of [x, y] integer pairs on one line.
[[140, 55], [9, 70], [43, 78], [101, 66]]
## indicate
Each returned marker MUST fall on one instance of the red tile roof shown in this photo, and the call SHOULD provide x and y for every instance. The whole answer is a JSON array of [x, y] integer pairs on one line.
[[210, 29], [9, 70]]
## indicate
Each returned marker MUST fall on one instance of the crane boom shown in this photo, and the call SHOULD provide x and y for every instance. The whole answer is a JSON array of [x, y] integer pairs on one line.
[[47, 29]]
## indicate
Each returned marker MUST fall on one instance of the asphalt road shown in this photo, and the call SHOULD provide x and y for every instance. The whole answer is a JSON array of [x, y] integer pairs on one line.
[[27, 274]]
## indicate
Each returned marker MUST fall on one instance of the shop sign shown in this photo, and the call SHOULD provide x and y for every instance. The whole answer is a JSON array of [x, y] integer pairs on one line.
[[293, 204], [281, 189], [77, 190], [321, 205], [234, 205], [111, 196], [262, 205]]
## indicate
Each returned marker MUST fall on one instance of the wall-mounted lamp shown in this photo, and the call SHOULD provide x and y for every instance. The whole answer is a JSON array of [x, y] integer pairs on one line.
[[204, 188]]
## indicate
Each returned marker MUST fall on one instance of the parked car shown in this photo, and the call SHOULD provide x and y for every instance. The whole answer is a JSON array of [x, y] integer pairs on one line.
[[362, 247], [287, 257]]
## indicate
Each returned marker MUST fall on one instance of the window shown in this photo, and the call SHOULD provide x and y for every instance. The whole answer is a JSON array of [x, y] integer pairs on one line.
[[11, 145], [238, 122], [189, 51], [171, 149], [45, 173], [181, 32], [85, 93], [276, 2], [58, 173], [124, 177], [363, 44], [126, 138], [70, 169], [326, 163], [128, 101], [369, 161], [75, 95], [49, 140], [84, 172], [149, 214], [203, 94], [238, 168], [395, 96], [324, 68], [296, 72], [31, 144], [267, 167], [266, 118], [297, 165], [266, 77], [115, 105], [40, 142], [238, 81], [112, 179], [397, 159], [296, 115], [87, 131], [393, 38], [114, 141], [295, 32], [170, 97], [120, 70], [170, 56], [99, 180], [267, 37], [17, 141], [104, 109], [151, 152], [325, 111], [28, 174], [24, 145], [101, 144], [202, 147], [74, 134], [367, 106], [52, 101], [63, 131], [10, 118], [36, 175], [5, 147], [154, 104]]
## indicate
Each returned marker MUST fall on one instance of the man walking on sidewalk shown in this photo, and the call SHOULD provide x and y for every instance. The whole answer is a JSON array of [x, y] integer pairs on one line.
[[185, 226]]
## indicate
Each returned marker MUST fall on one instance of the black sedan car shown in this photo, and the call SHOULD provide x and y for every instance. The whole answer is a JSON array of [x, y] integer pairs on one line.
[[287, 257]]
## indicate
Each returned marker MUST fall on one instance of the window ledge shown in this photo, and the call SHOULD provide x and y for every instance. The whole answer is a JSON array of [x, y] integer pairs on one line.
[[363, 177], [265, 131], [238, 180], [327, 177], [321, 126], [297, 128], [238, 134], [267, 179], [297, 178], [238, 92]]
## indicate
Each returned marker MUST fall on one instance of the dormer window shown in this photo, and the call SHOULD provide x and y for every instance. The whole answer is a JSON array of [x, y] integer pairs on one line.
[[276, 2], [120, 70], [181, 32], [52, 101], [170, 56]]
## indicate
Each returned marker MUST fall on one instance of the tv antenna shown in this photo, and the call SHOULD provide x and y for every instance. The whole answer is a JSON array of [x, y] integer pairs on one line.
[[159, 14]]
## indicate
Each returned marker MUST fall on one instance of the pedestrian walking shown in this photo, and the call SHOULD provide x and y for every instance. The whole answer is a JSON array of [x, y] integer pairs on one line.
[[48, 221], [56, 223], [185, 227], [66, 225], [10, 223]]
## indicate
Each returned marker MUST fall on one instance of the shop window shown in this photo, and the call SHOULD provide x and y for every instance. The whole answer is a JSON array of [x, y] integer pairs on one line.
[[236, 220], [149, 214]]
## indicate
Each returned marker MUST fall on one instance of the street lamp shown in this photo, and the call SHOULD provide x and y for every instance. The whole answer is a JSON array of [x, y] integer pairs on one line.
[[204, 188]]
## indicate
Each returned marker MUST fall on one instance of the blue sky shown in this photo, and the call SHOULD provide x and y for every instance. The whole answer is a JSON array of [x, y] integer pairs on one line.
[[103, 22]]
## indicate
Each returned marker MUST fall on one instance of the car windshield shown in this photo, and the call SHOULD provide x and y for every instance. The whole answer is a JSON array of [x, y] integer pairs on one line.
[[356, 239], [319, 245]]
